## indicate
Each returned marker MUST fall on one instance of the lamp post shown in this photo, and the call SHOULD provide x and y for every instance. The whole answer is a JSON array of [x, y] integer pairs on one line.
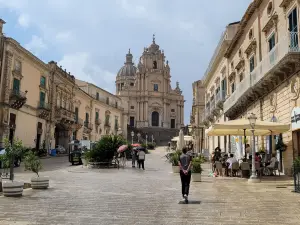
[[146, 139], [138, 135], [252, 120], [132, 135]]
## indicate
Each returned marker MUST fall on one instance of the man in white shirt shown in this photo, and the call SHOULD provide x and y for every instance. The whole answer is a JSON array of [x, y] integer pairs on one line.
[[231, 160]]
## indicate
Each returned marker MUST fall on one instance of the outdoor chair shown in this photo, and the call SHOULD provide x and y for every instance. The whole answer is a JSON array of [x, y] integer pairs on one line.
[[274, 167], [235, 169], [245, 168], [219, 168]]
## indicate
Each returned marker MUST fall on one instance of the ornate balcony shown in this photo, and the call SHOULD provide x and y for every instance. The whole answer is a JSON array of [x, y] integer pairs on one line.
[[78, 123], [44, 110], [97, 122], [220, 98], [64, 116], [17, 99], [88, 127], [107, 124], [278, 65]]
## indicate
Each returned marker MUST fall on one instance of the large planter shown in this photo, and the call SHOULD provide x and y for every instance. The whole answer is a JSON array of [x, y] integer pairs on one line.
[[175, 169], [12, 188], [39, 182], [196, 177], [84, 161]]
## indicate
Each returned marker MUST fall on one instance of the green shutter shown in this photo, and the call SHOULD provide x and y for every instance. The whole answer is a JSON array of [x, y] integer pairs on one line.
[[97, 115], [16, 85], [42, 98]]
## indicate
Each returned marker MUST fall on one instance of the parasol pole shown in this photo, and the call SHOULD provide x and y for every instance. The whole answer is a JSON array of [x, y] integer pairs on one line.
[[245, 143]]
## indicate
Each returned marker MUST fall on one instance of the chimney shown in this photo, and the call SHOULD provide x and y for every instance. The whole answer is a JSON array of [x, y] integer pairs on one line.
[[2, 22]]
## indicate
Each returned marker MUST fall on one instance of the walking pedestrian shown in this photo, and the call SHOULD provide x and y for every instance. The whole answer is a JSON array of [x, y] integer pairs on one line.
[[185, 162], [133, 155], [141, 159]]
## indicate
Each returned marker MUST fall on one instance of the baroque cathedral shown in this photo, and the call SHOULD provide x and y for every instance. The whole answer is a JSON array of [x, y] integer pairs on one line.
[[150, 104]]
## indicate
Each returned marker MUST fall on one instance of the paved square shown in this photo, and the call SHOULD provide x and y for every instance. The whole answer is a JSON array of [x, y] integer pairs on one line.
[[132, 196]]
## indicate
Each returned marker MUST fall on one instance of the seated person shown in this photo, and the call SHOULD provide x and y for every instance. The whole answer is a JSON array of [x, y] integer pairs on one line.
[[231, 160], [273, 160]]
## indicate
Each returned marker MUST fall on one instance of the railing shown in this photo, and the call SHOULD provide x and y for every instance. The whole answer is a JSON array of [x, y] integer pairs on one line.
[[220, 96], [287, 44], [107, 124], [43, 105], [97, 121], [18, 93], [88, 125]]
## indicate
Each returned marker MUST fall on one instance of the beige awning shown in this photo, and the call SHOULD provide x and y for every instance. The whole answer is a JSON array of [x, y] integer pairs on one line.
[[260, 126], [236, 132]]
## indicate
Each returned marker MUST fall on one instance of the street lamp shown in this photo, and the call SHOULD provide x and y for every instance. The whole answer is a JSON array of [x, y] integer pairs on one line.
[[146, 139], [138, 135], [252, 120], [132, 135]]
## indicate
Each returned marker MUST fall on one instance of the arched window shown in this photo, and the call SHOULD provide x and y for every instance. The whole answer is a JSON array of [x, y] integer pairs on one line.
[[154, 65]]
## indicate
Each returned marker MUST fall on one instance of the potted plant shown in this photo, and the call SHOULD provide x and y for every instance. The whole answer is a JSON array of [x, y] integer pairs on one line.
[[33, 163], [174, 160], [196, 169], [86, 157], [12, 188]]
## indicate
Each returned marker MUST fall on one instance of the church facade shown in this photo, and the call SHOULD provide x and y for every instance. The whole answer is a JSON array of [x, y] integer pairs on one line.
[[148, 98]]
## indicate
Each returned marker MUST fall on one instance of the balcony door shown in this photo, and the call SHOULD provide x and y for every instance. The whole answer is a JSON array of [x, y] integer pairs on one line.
[[42, 99], [16, 85], [293, 28]]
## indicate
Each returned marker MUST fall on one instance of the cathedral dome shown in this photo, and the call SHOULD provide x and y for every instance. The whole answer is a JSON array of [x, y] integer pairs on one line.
[[128, 69]]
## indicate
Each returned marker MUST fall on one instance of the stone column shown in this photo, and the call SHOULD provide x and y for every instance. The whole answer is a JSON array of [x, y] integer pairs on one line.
[[146, 83], [182, 115], [142, 82], [178, 117], [165, 115], [146, 114]]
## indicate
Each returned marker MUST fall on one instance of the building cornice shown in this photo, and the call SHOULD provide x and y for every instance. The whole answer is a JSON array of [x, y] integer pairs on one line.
[[248, 14], [217, 56], [16, 45]]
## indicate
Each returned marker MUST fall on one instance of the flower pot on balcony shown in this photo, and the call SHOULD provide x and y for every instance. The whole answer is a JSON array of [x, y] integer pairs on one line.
[[39, 182], [196, 177], [12, 188], [175, 169]]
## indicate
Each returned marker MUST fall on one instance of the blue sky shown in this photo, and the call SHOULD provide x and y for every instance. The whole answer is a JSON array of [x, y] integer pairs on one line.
[[90, 38]]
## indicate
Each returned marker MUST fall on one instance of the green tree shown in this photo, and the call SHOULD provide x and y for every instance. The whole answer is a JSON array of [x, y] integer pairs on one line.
[[12, 150]]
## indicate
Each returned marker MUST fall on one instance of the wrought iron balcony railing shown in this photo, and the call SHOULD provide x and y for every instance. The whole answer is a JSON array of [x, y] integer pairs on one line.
[[43, 105], [18, 94]]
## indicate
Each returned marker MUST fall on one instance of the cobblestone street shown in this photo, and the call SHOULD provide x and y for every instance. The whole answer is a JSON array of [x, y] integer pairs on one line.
[[131, 196]]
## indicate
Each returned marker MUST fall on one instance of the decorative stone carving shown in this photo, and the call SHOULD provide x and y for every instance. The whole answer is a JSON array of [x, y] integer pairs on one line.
[[295, 88], [273, 102]]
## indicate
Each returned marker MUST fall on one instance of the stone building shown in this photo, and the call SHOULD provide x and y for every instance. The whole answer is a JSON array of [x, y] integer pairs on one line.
[[261, 67], [41, 103], [198, 108], [152, 106]]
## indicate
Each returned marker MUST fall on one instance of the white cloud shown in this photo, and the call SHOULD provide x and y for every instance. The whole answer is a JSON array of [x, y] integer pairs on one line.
[[36, 45], [80, 63], [63, 36], [24, 20]]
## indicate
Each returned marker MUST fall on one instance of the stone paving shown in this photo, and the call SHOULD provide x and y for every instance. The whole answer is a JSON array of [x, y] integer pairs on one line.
[[131, 196]]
